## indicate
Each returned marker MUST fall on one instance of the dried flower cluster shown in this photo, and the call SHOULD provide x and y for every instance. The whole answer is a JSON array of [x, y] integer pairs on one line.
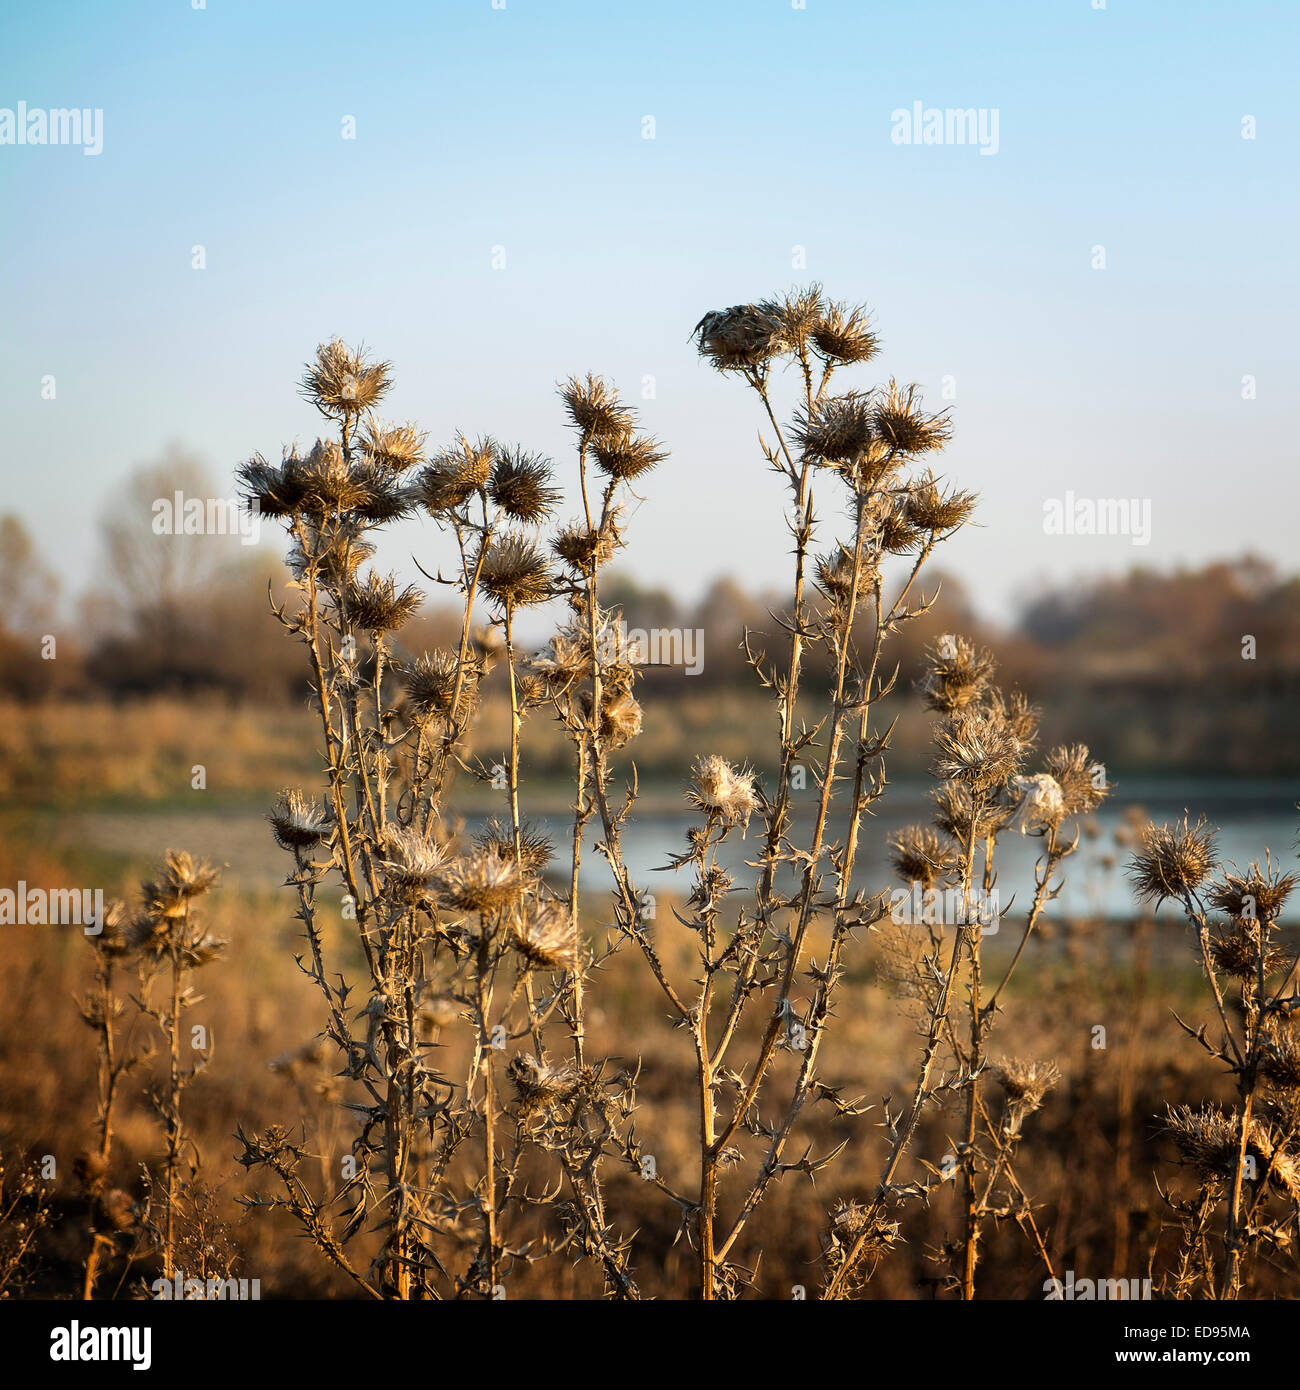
[[1244, 1156], [167, 941], [489, 936]]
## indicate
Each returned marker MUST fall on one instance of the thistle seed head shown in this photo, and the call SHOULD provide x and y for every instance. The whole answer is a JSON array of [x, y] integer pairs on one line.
[[586, 549], [520, 486], [620, 717], [594, 407], [977, 746], [182, 880], [535, 848], [953, 811], [1257, 895], [900, 422], [479, 882], [409, 860], [835, 576], [329, 484], [745, 337], [626, 456], [333, 553], [895, 533], [1027, 1082], [342, 382], [799, 314], [456, 473], [723, 791], [1040, 804], [1022, 717], [956, 674], [378, 605], [839, 431], [843, 335], [538, 1082], [386, 498], [272, 490], [515, 573], [931, 510], [1237, 953], [430, 685], [918, 855], [1172, 860], [1075, 774], [110, 930], [393, 447], [1280, 1062], [562, 661], [1209, 1141], [543, 934], [298, 823]]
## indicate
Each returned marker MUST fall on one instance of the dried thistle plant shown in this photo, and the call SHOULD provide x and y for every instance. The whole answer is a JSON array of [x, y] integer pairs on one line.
[[24, 1215], [870, 446], [1246, 1160], [116, 1055], [983, 739], [171, 942], [439, 1164], [453, 937]]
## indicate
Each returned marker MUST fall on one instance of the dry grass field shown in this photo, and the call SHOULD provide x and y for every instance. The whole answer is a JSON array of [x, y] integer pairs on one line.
[[1091, 1159]]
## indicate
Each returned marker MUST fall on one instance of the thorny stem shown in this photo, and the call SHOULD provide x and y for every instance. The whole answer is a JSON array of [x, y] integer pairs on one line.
[[581, 814], [455, 729], [334, 752], [778, 816], [1247, 1079], [489, 1198], [108, 1075], [1031, 921], [972, 1104], [173, 1099], [821, 1008], [902, 1137]]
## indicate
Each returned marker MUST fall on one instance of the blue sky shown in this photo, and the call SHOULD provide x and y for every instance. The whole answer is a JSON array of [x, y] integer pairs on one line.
[[522, 128]]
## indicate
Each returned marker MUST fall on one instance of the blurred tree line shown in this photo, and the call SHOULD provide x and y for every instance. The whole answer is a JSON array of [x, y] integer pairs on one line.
[[1195, 670]]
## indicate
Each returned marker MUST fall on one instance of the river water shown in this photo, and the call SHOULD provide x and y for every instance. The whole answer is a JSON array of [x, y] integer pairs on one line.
[[1252, 816]]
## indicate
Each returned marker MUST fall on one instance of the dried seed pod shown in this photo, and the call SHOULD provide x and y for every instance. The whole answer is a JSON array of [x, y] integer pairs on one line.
[[341, 382], [479, 882], [542, 933], [298, 823], [1173, 861], [920, 856], [844, 335], [723, 791], [745, 337], [515, 573], [520, 486]]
